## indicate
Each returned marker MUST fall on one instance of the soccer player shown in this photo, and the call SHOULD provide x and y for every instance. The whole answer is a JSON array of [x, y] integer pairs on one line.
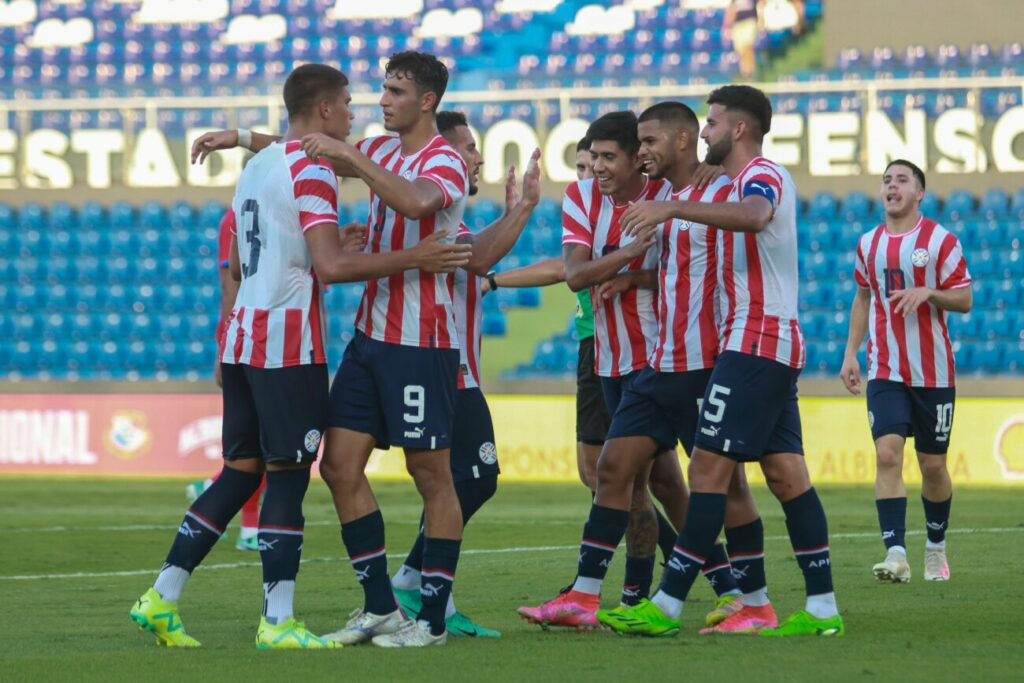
[[397, 383], [911, 271], [228, 291], [474, 457], [594, 250], [273, 362], [750, 412]]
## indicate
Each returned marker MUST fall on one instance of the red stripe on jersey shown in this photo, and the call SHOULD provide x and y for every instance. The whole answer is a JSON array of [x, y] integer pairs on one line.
[[769, 337], [428, 292], [635, 331], [899, 328], [396, 288], [239, 335], [755, 283], [729, 275], [258, 359], [472, 333], [316, 325], [375, 144], [708, 328], [924, 314], [682, 296], [797, 348], [293, 336], [315, 187]]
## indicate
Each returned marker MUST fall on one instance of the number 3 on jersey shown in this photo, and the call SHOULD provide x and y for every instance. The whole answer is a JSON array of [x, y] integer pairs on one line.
[[252, 236]]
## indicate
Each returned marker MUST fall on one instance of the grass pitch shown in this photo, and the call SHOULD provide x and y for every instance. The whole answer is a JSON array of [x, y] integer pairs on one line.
[[76, 553]]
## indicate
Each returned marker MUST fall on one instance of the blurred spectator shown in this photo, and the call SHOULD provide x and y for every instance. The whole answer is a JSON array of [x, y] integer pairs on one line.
[[741, 26], [783, 15]]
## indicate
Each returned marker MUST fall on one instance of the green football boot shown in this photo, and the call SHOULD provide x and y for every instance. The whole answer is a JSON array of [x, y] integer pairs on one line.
[[459, 624], [806, 624], [410, 601], [154, 614], [643, 619], [291, 635]]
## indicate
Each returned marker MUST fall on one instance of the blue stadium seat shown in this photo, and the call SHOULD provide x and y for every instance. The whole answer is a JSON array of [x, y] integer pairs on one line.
[[823, 206], [857, 206], [959, 205], [495, 324]]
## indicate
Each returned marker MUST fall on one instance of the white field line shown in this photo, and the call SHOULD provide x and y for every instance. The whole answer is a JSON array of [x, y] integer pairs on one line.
[[477, 551], [174, 527]]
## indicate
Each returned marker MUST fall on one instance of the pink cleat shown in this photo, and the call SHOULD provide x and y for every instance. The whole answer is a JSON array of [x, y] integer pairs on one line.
[[749, 620], [573, 609]]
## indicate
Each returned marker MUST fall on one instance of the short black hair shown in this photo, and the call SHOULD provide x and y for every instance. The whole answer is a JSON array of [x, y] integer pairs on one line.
[[448, 121], [671, 112], [747, 99], [583, 145], [425, 70], [918, 173], [618, 127], [309, 84]]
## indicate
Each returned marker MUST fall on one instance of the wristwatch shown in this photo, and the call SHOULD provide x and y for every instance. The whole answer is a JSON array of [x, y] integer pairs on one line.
[[490, 280]]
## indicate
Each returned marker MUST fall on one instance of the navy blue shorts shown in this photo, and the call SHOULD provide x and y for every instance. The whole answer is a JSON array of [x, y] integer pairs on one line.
[[401, 395], [750, 409], [614, 387], [592, 418], [662, 405], [925, 414], [474, 454], [278, 414]]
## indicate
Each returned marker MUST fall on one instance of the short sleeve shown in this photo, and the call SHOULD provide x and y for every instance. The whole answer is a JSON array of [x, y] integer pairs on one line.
[[952, 270], [860, 269], [762, 181], [446, 169], [228, 228], [316, 195], [576, 228], [463, 231]]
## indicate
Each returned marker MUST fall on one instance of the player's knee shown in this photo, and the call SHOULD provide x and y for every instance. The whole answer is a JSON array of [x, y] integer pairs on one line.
[[889, 460], [933, 467]]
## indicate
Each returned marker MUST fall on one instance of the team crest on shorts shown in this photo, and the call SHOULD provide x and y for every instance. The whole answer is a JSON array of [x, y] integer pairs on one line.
[[871, 419], [312, 441], [920, 258], [488, 453]]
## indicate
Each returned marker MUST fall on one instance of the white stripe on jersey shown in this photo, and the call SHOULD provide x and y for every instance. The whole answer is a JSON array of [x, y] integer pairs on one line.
[[278, 318], [412, 308], [625, 328], [915, 349], [758, 274], [687, 327]]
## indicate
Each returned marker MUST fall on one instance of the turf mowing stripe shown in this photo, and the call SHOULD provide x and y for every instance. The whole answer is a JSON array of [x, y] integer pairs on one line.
[[472, 551]]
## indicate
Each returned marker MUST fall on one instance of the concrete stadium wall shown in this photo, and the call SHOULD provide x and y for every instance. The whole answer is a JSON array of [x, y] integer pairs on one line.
[[866, 24]]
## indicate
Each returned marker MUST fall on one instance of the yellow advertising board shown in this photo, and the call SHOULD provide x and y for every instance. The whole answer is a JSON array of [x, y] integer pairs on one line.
[[535, 436]]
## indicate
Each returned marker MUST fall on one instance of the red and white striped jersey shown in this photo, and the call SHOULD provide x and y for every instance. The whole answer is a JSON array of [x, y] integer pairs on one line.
[[625, 327], [278, 319], [687, 325], [467, 295], [915, 350], [758, 273], [412, 308]]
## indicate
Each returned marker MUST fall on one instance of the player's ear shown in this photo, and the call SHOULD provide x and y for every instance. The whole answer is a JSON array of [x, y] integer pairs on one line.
[[428, 102]]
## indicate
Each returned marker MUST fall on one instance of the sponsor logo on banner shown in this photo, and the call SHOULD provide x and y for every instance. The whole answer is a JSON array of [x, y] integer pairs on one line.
[[45, 437], [203, 435], [1009, 448], [128, 436]]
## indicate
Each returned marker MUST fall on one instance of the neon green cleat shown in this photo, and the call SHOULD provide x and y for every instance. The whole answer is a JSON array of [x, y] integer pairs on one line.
[[725, 607], [459, 624], [291, 635], [154, 614], [806, 624], [410, 601], [643, 619]]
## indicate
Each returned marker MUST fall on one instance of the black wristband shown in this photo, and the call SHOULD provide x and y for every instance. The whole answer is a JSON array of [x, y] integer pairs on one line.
[[491, 281]]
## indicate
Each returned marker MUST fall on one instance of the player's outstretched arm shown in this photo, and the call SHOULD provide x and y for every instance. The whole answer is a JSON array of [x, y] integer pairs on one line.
[[494, 242], [850, 372], [333, 263], [207, 143], [581, 271], [414, 200], [540, 274], [750, 215]]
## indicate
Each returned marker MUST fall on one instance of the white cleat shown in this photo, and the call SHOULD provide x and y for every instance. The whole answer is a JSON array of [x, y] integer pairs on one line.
[[936, 567], [363, 626], [412, 634], [894, 569]]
